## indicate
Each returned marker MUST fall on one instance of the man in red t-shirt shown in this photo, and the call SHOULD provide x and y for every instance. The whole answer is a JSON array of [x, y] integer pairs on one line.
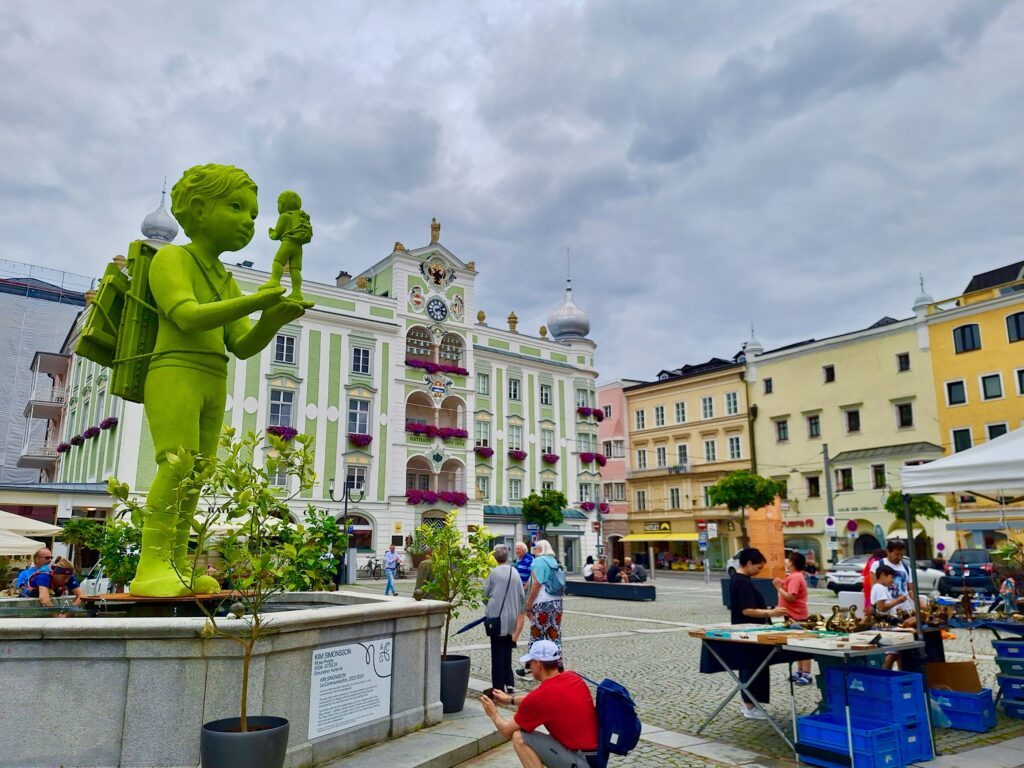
[[562, 704]]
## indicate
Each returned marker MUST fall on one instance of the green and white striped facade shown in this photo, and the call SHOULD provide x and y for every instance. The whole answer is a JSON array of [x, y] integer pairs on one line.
[[342, 368]]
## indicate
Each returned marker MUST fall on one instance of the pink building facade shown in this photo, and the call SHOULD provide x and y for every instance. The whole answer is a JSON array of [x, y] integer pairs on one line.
[[612, 435]]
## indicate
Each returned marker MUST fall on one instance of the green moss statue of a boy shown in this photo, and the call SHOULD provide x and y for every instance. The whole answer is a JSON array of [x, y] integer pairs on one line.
[[202, 316], [294, 231]]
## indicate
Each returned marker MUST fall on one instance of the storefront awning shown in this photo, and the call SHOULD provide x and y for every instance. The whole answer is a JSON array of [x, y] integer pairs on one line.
[[493, 510], [655, 536]]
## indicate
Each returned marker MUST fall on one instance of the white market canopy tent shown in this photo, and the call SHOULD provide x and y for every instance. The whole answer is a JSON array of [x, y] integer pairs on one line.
[[26, 526], [13, 545], [993, 469]]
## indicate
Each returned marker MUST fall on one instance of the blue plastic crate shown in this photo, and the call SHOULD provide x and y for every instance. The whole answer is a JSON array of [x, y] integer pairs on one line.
[[874, 745], [1014, 708], [896, 697], [1012, 665], [1011, 687], [1009, 649], [967, 711], [915, 742]]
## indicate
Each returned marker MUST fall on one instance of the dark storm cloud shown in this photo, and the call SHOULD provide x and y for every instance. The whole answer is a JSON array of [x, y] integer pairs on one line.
[[709, 164]]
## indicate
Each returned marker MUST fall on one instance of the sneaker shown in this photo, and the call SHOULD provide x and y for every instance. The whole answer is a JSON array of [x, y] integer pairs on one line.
[[795, 677], [802, 678], [522, 672], [753, 713]]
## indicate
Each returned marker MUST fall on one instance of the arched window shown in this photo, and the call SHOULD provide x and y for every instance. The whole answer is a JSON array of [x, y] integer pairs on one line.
[[419, 409], [966, 338], [452, 476], [452, 414], [1015, 327], [418, 474], [451, 349], [362, 537], [419, 344]]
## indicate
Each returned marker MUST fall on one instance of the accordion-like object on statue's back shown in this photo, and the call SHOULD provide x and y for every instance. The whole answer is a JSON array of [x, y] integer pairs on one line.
[[121, 322]]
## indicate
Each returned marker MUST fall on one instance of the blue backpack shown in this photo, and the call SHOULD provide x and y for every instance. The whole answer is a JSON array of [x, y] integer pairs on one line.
[[618, 726], [555, 582]]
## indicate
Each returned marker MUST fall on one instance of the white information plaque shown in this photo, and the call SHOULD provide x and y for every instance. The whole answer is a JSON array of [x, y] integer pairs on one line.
[[350, 685]]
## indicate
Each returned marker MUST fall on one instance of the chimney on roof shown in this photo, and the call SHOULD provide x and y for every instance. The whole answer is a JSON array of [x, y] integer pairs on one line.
[[342, 278]]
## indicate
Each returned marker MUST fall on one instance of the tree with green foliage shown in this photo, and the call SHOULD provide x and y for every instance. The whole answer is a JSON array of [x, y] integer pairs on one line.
[[314, 548], [921, 507], [79, 533], [457, 566], [744, 489], [545, 509], [236, 486], [119, 545]]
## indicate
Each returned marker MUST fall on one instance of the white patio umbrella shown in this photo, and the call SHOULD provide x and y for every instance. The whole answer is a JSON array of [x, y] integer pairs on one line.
[[221, 525], [26, 526], [13, 545]]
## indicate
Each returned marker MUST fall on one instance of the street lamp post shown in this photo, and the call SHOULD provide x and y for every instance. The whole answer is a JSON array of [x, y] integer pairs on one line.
[[346, 574]]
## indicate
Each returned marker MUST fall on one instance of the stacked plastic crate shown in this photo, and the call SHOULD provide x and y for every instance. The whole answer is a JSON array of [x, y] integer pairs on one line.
[[1010, 658], [888, 721]]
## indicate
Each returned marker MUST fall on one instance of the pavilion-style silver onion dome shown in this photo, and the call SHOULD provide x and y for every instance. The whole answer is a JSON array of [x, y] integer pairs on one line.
[[160, 225], [568, 321], [924, 298], [753, 347]]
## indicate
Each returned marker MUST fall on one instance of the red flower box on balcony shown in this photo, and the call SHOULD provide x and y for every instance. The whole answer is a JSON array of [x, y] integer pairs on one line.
[[77, 440], [587, 506], [431, 367], [109, 423], [416, 496], [549, 458], [516, 455], [90, 432], [285, 433], [360, 440], [63, 447], [484, 452], [455, 498], [587, 457]]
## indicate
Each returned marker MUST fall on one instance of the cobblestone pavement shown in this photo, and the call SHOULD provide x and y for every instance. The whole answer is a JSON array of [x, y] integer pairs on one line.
[[646, 755], [645, 646]]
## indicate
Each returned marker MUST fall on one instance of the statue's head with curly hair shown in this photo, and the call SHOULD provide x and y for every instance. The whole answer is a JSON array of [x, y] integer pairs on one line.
[[201, 187]]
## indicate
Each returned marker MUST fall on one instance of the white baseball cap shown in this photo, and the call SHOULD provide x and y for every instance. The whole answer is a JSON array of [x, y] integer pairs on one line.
[[542, 650]]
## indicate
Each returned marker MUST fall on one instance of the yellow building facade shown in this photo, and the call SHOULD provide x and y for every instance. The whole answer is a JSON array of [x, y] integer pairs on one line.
[[687, 430], [977, 346], [845, 414]]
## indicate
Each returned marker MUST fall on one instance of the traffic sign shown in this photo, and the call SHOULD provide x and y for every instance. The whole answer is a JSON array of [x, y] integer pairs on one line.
[[830, 526], [712, 530], [831, 544], [532, 527], [702, 540]]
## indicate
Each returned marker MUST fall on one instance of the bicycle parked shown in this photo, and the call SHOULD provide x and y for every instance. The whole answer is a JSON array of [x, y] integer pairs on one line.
[[373, 569], [399, 570]]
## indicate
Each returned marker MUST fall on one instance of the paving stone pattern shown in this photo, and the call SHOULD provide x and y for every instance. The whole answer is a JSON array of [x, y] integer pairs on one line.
[[645, 646]]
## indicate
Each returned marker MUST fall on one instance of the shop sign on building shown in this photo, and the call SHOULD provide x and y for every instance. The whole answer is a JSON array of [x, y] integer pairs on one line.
[[661, 527]]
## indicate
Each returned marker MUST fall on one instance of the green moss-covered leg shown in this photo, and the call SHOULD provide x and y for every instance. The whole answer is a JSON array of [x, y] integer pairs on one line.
[[202, 316]]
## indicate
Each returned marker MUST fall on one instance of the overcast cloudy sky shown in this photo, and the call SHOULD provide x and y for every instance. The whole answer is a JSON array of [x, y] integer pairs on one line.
[[710, 164]]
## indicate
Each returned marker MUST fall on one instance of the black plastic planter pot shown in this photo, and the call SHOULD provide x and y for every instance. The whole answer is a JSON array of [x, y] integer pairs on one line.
[[221, 745], [454, 682]]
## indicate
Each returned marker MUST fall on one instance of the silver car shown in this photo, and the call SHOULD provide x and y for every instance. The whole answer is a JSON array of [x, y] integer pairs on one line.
[[847, 575]]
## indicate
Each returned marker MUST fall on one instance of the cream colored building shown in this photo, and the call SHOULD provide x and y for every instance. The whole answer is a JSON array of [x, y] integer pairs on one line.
[[687, 430], [867, 400]]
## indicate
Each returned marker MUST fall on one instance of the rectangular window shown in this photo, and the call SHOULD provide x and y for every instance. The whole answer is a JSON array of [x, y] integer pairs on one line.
[[904, 415], [582, 398], [706, 495], [828, 373], [513, 389], [483, 434], [279, 479], [844, 480], [607, 410], [966, 338], [781, 430], [358, 416], [640, 419], [483, 384], [515, 489], [707, 407], [732, 403], [606, 447], [814, 426], [961, 440], [661, 455], [1020, 381], [641, 501], [355, 478], [903, 362], [619, 491], [547, 441], [956, 392], [682, 455], [995, 430], [991, 386], [361, 360], [282, 404], [547, 485], [483, 487], [545, 394], [641, 459], [710, 450], [585, 492], [659, 416], [852, 420], [673, 498], [515, 437], [878, 476], [284, 348], [419, 481], [768, 388], [680, 413], [734, 448], [1015, 327], [813, 486], [618, 449]]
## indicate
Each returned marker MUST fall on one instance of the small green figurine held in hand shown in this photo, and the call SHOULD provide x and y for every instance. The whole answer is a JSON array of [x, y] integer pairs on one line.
[[202, 315], [294, 231]]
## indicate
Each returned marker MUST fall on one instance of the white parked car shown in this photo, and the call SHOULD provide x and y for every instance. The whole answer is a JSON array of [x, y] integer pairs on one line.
[[95, 582], [846, 575]]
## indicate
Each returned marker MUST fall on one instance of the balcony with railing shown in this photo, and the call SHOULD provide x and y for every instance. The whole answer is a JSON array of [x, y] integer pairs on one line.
[[38, 454]]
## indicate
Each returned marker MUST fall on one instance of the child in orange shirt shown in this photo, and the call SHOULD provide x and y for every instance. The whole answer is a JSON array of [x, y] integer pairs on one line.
[[793, 596]]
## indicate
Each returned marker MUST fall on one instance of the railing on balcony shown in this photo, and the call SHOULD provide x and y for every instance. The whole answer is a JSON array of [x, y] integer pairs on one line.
[[40, 448], [49, 394]]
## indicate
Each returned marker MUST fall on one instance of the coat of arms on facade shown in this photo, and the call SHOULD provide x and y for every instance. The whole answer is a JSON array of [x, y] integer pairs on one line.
[[416, 298], [458, 308], [437, 275], [438, 386]]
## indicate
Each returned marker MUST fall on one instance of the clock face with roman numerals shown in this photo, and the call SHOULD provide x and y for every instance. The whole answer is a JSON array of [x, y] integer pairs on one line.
[[437, 310]]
